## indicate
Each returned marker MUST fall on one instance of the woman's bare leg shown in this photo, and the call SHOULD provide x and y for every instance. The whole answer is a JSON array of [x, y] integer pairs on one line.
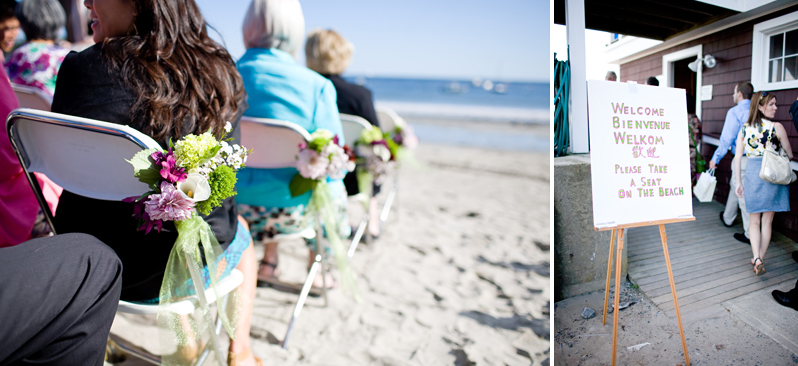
[[374, 217], [755, 233], [767, 231], [246, 296], [269, 256], [318, 281]]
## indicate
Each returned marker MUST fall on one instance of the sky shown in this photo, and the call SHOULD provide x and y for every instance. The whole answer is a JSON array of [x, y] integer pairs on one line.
[[595, 42], [458, 39]]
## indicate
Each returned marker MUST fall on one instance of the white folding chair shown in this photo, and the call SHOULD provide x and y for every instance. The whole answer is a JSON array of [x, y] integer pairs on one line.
[[275, 144], [389, 120], [68, 150], [30, 97], [353, 127]]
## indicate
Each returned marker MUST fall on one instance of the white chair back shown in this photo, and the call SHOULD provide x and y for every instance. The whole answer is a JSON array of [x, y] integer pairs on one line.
[[389, 119], [84, 156], [274, 143], [30, 97], [87, 157], [353, 126]]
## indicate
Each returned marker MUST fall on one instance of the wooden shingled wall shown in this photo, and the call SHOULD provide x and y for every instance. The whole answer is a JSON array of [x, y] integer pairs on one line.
[[732, 48]]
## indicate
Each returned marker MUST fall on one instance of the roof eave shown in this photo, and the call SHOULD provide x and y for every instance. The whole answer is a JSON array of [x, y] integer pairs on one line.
[[706, 30]]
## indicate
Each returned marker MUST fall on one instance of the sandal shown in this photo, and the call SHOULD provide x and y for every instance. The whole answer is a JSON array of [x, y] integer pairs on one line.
[[268, 280], [274, 282], [235, 359], [759, 269]]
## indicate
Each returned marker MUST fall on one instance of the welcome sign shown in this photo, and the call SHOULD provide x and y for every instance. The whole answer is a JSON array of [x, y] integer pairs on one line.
[[639, 154]]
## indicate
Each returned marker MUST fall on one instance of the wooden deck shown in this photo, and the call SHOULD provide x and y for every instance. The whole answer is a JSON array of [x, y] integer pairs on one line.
[[709, 265]]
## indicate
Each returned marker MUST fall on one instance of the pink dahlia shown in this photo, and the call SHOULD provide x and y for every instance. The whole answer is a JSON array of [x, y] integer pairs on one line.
[[169, 205]]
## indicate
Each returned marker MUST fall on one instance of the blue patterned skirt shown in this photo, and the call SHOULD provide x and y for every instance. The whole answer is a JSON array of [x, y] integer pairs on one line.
[[761, 196]]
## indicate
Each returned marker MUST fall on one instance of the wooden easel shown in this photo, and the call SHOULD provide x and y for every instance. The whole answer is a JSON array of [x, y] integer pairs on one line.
[[618, 231]]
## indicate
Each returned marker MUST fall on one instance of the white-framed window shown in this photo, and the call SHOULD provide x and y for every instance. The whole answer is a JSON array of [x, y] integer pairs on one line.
[[774, 59]]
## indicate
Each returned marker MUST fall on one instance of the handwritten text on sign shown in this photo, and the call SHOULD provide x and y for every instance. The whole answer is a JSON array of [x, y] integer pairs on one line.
[[639, 153]]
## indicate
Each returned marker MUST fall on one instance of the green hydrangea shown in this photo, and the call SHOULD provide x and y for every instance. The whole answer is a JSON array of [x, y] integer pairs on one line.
[[222, 182], [320, 139], [370, 135], [193, 151]]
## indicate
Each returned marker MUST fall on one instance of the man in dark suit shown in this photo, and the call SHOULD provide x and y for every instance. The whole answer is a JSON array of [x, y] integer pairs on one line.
[[790, 298], [58, 298]]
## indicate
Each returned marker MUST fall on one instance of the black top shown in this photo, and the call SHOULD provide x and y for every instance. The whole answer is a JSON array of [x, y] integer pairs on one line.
[[355, 100], [87, 88]]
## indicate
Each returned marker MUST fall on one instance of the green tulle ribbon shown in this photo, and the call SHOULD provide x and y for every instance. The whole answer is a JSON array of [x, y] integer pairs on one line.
[[183, 271], [365, 180], [321, 203]]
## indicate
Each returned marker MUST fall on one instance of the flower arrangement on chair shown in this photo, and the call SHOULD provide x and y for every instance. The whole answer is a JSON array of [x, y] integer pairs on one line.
[[192, 177], [376, 153], [404, 138], [322, 158]]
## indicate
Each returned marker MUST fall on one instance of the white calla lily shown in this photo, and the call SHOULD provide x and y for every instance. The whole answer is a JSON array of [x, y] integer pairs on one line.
[[195, 188], [382, 152]]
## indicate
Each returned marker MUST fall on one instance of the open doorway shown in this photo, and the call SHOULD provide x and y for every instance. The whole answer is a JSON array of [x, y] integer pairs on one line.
[[684, 78], [676, 74]]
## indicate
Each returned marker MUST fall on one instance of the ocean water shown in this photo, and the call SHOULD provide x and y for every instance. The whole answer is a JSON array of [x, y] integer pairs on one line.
[[421, 100]]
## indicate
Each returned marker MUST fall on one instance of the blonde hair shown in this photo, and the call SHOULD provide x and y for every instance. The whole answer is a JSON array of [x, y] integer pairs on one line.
[[327, 52], [276, 24]]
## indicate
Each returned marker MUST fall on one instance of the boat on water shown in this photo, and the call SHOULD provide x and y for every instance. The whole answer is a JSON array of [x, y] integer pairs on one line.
[[455, 88], [500, 88]]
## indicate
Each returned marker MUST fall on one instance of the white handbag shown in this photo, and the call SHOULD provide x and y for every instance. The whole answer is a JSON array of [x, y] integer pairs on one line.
[[776, 167], [705, 187]]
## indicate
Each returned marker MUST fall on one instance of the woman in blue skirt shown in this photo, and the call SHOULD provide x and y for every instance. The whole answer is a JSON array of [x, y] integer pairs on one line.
[[763, 199]]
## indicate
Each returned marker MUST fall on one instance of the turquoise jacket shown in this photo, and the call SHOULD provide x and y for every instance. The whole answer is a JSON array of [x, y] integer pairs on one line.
[[280, 88]]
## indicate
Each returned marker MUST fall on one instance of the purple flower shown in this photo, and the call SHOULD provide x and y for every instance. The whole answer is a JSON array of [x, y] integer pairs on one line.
[[169, 169], [397, 139], [169, 205], [147, 224], [140, 214]]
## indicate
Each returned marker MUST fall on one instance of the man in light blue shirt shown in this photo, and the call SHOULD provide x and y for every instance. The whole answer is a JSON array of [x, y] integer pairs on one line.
[[735, 119]]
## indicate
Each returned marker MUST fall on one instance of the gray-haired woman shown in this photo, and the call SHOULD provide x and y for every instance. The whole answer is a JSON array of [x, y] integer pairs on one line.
[[280, 88]]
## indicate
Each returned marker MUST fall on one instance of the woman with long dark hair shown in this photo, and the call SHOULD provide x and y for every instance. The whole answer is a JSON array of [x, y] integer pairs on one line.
[[762, 199], [155, 69]]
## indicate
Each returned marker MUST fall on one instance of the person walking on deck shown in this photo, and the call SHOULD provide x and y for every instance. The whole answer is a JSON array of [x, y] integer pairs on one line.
[[763, 199], [735, 118]]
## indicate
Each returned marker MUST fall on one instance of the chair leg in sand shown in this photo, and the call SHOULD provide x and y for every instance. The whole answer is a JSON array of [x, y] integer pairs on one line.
[[361, 228], [318, 265]]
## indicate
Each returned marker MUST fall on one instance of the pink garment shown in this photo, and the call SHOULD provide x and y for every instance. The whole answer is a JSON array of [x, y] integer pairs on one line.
[[18, 206]]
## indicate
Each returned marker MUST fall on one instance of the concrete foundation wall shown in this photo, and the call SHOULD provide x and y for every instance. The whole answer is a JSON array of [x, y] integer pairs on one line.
[[580, 252]]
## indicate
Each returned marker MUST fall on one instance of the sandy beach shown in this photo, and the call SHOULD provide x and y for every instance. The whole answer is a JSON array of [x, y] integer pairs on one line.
[[459, 276]]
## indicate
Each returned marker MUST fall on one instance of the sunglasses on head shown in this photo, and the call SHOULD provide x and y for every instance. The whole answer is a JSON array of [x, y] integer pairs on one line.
[[764, 93]]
